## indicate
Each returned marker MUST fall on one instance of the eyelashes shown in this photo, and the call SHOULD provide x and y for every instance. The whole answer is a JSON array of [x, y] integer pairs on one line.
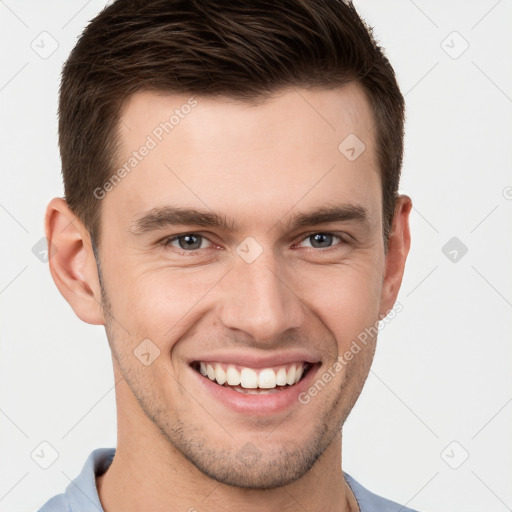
[[186, 237], [191, 243]]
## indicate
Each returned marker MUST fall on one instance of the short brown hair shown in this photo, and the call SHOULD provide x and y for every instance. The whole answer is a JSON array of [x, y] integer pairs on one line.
[[243, 50]]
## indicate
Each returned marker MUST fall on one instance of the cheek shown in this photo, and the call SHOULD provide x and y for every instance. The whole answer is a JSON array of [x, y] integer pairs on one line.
[[347, 300], [161, 304]]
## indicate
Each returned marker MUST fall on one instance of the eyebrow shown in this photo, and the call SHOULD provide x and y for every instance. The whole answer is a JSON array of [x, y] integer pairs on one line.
[[166, 216]]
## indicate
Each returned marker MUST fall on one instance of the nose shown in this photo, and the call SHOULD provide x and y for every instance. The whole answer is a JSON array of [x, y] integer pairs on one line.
[[258, 300]]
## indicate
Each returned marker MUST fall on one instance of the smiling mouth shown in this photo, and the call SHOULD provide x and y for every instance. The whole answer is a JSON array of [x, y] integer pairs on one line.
[[253, 380]]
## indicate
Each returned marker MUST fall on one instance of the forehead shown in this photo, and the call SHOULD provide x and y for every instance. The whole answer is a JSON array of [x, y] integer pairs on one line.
[[292, 151]]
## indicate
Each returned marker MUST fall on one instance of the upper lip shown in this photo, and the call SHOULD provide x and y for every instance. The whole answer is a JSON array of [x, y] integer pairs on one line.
[[256, 361]]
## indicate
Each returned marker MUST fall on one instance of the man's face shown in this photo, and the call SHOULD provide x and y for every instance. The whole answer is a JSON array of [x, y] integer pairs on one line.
[[259, 297]]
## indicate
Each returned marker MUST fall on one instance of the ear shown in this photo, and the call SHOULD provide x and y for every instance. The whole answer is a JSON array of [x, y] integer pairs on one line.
[[398, 249], [72, 262]]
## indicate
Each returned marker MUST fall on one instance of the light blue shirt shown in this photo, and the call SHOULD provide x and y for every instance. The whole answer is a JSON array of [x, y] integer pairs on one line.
[[81, 494]]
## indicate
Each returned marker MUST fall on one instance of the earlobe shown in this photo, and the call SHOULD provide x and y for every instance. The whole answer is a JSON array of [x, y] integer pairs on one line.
[[72, 262], [398, 249]]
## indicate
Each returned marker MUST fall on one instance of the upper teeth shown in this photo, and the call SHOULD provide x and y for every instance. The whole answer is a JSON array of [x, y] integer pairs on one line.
[[250, 378]]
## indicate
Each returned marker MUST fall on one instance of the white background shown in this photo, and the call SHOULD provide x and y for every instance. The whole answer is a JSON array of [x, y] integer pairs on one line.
[[442, 368]]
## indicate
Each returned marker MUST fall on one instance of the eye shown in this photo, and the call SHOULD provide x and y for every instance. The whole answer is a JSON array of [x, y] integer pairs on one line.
[[187, 242], [322, 240]]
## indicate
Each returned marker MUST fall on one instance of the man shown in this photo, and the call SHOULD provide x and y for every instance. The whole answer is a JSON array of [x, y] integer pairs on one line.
[[232, 217]]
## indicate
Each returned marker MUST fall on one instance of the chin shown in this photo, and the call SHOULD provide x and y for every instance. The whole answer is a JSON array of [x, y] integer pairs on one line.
[[256, 470], [255, 465]]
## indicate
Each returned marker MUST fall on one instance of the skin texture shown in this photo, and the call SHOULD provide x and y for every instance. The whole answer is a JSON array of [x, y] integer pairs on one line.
[[259, 166]]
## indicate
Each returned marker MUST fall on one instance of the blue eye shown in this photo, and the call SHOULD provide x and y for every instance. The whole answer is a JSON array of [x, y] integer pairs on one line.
[[187, 242], [190, 242], [322, 240]]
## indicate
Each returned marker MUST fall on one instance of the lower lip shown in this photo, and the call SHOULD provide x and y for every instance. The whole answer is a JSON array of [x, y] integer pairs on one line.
[[260, 404]]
